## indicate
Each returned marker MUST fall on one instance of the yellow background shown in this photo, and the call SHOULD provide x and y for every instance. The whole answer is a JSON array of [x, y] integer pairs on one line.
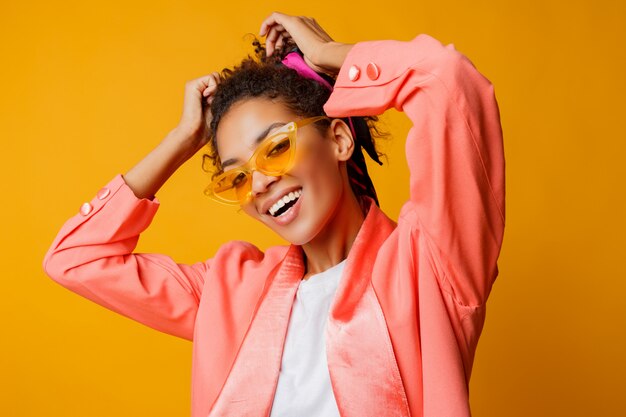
[[88, 88]]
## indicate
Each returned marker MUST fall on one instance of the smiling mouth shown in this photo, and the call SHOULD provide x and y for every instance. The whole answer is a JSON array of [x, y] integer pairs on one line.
[[285, 203]]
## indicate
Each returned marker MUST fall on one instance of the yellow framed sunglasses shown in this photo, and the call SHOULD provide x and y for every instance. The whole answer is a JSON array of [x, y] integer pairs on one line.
[[274, 156]]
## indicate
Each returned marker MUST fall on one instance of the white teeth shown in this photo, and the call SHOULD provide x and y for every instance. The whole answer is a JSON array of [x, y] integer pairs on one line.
[[284, 200]]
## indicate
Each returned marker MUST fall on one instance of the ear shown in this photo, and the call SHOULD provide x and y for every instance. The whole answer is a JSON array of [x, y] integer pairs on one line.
[[342, 139]]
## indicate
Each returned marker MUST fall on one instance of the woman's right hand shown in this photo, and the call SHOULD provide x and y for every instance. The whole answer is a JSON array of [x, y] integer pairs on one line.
[[194, 122], [182, 142], [321, 52]]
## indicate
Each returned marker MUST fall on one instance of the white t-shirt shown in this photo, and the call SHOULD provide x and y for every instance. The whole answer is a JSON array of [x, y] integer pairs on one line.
[[304, 387]]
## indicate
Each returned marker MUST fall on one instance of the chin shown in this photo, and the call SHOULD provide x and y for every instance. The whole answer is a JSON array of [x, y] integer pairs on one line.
[[300, 234], [302, 222]]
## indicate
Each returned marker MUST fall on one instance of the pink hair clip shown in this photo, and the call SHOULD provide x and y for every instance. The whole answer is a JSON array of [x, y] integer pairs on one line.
[[294, 60]]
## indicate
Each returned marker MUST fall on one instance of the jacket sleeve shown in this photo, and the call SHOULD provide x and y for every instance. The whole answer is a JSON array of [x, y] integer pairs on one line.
[[92, 255], [454, 150]]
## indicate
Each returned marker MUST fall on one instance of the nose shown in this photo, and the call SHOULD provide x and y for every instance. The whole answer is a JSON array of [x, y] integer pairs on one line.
[[260, 182]]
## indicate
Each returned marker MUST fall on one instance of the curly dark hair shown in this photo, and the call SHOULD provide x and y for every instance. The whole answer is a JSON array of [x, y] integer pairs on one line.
[[267, 77]]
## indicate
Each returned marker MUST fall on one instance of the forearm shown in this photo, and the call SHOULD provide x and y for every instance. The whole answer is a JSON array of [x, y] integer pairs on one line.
[[149, 175]]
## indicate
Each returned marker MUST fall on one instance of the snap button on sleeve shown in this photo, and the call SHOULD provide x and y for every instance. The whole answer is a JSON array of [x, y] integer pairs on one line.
[[103, 193], [85, 209], [372, 71], [354, 73]]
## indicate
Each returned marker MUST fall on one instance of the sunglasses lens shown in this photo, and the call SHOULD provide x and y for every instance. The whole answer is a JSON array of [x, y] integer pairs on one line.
[[276, 155], [232, 186]]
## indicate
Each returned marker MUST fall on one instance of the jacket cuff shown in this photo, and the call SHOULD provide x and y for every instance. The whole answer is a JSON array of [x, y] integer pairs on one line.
[[376, 63], [114, 213], [119, 195]]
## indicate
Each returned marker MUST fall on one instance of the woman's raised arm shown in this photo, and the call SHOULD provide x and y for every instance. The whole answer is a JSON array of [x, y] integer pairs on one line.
[[454, 150], [92, 255]]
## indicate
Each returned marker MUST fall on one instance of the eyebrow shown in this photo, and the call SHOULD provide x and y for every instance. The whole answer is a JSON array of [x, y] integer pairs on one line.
[[259, 138]]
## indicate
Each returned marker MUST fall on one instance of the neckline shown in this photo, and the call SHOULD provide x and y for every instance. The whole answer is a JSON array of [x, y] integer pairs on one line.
[[319, 278]]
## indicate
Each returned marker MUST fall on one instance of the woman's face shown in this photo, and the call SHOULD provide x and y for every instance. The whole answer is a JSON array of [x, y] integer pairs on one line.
[[316, 183]]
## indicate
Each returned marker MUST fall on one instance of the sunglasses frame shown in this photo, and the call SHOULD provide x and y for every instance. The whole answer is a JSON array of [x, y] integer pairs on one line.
[[292, 129]]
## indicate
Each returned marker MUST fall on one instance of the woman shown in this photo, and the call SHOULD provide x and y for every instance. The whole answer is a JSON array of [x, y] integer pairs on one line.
[[359, 315]]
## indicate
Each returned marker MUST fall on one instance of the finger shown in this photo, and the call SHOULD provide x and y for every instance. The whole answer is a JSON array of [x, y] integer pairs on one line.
[[282, 39], [279, 27], [212, 84], [270, 41], [210, 87], [207, 90], [271, 20], [199, 84], [273, 29], [279, 42]]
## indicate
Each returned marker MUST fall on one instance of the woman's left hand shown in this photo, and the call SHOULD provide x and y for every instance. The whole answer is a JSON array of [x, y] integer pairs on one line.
[[320, 52]]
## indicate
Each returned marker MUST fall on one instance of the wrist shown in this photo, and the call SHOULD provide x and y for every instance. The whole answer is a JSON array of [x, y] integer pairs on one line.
[[335, 56], [182, 143], [181, 135]]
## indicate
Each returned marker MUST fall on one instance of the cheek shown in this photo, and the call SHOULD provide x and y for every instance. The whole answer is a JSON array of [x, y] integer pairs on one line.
[[250, 211], [322, 180], [321, 168]]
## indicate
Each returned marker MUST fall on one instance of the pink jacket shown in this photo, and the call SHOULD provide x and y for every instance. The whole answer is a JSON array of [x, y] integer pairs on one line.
[[403, 328]]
